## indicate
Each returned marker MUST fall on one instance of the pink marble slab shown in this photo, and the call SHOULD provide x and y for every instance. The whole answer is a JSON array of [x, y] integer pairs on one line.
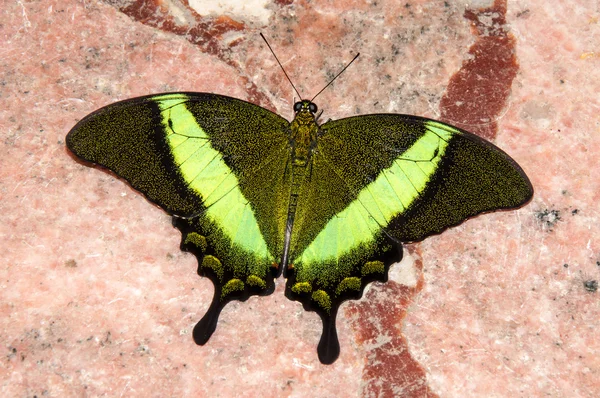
[[97, 300]]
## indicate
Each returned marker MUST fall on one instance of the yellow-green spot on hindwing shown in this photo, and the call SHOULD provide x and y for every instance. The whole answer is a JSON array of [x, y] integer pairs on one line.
[[322, 299], [197, 240], [232, 286], [373, 267], [213, 263], [351, 283], [256, 281], [302, 287]]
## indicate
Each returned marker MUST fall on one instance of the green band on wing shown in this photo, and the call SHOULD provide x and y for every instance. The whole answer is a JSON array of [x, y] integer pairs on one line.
[[204, 170], [392, 192]]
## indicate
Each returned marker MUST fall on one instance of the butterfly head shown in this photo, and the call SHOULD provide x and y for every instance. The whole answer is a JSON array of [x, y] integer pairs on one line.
[[305, 112], [305, 106]]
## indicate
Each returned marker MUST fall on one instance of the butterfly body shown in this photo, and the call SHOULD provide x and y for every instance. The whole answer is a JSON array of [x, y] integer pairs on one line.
[[328, 205], [303, 137]]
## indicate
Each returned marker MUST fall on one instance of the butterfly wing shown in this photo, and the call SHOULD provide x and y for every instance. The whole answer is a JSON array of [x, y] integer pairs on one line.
[[377, 181], [218, 165]]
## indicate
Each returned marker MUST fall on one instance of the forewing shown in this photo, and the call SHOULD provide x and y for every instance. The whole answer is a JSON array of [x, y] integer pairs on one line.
[[214, 162]]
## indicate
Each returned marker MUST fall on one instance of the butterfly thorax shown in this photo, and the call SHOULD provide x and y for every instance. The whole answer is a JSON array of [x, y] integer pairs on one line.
[[303, 132]]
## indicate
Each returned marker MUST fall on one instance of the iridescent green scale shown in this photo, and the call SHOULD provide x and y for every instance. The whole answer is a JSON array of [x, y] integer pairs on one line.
[[329, 205]]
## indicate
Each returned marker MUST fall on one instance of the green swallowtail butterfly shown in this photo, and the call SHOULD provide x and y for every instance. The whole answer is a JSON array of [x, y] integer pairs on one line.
[[329, 205]]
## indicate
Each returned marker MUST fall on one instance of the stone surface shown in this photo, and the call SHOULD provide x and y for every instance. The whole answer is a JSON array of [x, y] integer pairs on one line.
[[97, 299]]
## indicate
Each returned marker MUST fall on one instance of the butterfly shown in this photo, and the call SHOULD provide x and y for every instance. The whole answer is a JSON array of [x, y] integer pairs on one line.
[[328, 205]]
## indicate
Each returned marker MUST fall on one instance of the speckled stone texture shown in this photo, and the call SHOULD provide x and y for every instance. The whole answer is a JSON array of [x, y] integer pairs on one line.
[[97, 300]]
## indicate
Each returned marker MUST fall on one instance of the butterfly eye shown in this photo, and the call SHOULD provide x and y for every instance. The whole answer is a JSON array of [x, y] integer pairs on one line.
[[312, 108], [297, 107]]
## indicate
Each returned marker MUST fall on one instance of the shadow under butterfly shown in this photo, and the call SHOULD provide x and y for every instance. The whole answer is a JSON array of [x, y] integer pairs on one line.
[[328, 205]]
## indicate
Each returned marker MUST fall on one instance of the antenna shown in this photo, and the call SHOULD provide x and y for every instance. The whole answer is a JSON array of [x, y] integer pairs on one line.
[[335, 77], [290, 80], [277, 59]]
